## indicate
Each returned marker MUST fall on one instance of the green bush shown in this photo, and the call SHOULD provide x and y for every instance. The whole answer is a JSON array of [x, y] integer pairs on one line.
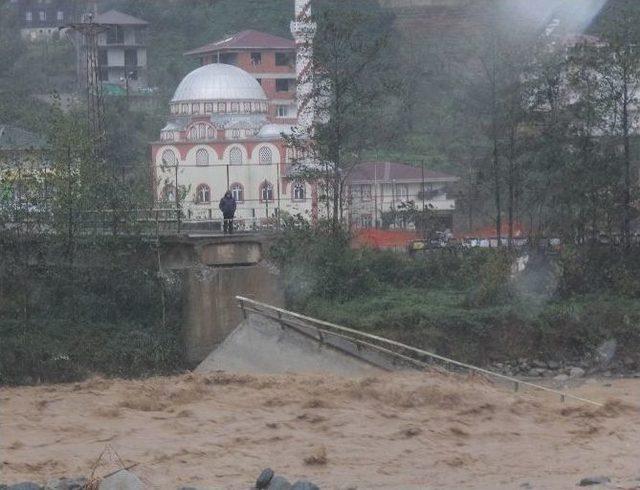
[[106, 312]]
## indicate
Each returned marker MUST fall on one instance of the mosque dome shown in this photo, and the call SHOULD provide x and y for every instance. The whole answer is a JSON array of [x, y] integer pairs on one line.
[[218, 82]]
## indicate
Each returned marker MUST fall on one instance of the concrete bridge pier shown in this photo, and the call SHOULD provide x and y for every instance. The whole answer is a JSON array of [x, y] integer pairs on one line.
[[214, 271]]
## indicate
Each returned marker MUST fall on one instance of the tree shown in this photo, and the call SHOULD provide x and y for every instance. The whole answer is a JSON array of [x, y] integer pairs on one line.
[[355, 93]]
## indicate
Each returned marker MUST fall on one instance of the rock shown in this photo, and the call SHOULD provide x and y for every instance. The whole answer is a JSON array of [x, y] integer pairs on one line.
[[66, 484], [629, 363], [562, 377], [264, 479], [555, 365], [122, 480], [304, 485], [607, 374], [536, 372], [539, 364], [279, 483], [594, 480], [576, 372], [526, 485], [25, 486], [607, 351]]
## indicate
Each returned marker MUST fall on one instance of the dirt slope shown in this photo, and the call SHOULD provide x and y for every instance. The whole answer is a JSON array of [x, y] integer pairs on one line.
[[399, 431]]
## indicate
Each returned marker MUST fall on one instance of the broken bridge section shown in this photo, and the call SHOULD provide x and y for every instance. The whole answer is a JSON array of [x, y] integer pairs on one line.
[[213, 271]]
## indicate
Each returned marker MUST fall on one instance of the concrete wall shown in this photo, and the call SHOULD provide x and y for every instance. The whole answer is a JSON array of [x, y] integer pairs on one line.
[[214, 272]]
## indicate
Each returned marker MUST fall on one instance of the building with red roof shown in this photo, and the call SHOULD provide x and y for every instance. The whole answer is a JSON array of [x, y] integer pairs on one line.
[[270, 59], [378, 187]]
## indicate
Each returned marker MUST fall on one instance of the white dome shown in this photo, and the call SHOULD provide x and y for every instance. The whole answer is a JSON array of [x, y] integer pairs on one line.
[[218, 82]]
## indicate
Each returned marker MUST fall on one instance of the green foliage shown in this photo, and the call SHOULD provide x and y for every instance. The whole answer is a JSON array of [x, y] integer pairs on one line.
[[108, 312]]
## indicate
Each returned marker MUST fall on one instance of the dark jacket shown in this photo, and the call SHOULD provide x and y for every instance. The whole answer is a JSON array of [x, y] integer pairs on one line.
[[228, 205]]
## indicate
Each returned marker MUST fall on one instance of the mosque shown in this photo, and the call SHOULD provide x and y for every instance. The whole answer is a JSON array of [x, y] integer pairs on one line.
[[223, 134]]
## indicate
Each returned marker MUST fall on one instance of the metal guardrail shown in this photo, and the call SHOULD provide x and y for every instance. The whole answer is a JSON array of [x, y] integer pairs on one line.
[[404, 354]]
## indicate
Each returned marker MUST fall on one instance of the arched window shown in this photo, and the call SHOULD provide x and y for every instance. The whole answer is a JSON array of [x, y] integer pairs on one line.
[[265, 156], [168, 193], [169, 158], [299, 191], [210, 132], [203, 194], [237, 191], [235, 156], [202, 131], [202, 157], [235, 134], [266, 192]]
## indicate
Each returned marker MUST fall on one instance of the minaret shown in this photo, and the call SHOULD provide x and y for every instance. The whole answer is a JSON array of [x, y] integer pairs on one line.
[[303, 30]]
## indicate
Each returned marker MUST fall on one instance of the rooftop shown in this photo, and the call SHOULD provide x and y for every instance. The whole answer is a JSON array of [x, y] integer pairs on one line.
[[398, 172], [248, 39], [14, 138], [114, 17]]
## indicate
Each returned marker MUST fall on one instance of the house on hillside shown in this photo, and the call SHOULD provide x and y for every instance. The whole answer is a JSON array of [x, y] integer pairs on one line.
[[270, 59], [122, 51], [375, 188], [43, 19], [24, 166]]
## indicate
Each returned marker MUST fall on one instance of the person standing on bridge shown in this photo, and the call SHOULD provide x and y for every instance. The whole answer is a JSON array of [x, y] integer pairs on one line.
[[228, 208]]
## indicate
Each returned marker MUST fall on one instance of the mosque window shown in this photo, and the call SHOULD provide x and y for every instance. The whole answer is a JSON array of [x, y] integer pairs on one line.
[[235, 156], [202, 131], [235, 134], [208, 108], [210, 132], [203, 194], [168, 193], [222, 107], [193, 133], [265, 156], [234, 107], [185, 108], [237, 191], [169, 158], [202, 157], [195, 108], [247, 107], [299, 191], [266, 192]]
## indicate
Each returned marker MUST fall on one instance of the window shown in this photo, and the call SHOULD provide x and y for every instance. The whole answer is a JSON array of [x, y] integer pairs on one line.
[[60, 15], [42, 15], [235, 134], [185, 108], [235, 156], [366, 221], [283, 111], [284, 59], [237, 191], [168, 193], [365, 192], [208, 108], [203, 194], [29, 16], [169, 158], [402, 192], [202, 157], [265, 156], [266, 192], [115, 35], [234, 107], [299, 191], [202, 131], [256, 59], [282, 85], [247, 107], [130, 58], [222, 107], [211, 134], [228, 58], [195, 108]]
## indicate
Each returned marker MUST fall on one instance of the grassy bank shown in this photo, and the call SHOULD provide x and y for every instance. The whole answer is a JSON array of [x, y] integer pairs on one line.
[[106, 310], [469, 304]]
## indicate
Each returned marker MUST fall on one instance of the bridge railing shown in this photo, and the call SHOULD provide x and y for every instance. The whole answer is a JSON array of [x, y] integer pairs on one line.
[[372, 348]]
